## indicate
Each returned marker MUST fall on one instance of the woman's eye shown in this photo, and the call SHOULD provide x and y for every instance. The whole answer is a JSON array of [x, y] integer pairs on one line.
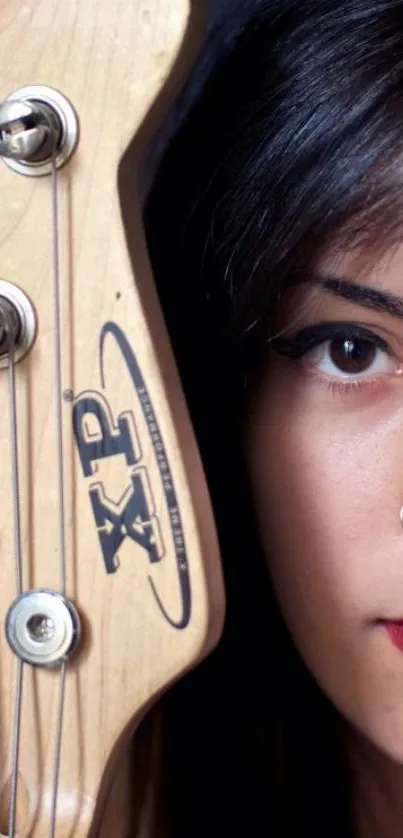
[[349, 357]]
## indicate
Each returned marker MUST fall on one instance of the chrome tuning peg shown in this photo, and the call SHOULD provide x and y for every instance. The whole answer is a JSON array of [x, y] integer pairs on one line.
[[28, 131], [38, 125]]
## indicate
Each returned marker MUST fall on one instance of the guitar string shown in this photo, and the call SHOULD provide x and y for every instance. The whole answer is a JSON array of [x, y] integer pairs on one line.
[[58, 748], [14, 452], [15, 748], [60, 466], [17, 525], [15, 752], [58, 374]]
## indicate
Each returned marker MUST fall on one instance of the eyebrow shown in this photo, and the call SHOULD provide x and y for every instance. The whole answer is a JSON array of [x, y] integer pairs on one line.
[[364, 295]]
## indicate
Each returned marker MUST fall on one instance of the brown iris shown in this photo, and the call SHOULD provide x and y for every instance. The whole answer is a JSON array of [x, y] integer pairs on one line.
[[352, 356]]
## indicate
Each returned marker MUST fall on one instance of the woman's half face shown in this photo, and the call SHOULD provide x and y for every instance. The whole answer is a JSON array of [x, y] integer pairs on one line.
[[325, 456]]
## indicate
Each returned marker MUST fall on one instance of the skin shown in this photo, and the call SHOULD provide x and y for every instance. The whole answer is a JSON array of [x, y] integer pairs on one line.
[[326, 472]]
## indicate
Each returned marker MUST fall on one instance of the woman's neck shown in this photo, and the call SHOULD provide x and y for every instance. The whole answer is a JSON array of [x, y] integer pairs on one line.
[[377, 789]]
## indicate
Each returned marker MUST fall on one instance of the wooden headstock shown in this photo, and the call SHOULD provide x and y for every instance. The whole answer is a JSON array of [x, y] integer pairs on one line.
[[142, 563]]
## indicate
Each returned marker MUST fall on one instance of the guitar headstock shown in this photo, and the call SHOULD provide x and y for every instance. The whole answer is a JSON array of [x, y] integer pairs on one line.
[[109, 563]]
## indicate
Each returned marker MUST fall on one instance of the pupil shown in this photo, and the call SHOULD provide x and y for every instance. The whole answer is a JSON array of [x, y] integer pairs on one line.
[[352, 356]]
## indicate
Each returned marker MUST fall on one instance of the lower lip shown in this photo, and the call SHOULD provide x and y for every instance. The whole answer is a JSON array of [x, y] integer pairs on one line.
[[395, 632]]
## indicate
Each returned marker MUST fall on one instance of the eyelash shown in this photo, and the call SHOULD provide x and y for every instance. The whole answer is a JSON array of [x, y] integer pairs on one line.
[[342, 388], [315, 336]]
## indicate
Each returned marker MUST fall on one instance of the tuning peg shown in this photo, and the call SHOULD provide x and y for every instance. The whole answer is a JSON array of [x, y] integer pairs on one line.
[[28, 130], [38, 129]]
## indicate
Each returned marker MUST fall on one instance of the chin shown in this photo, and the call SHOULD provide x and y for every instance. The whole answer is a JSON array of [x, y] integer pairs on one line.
[[378, 736]]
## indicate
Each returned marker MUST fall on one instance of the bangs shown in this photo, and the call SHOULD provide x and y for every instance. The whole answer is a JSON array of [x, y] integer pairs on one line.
[[350, 198], [293, 148], [373, 219]]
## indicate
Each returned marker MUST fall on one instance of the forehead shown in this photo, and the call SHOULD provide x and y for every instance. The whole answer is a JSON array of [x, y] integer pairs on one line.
[[381, 267]]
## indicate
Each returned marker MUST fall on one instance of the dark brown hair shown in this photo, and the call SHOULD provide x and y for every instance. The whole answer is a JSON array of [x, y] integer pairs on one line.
[[294, 142]]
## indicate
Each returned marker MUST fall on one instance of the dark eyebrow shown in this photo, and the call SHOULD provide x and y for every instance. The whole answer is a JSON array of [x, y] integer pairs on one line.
[[364, 295]]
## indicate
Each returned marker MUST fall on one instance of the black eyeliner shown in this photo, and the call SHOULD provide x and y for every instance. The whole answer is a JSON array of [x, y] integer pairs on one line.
[[311, 336]]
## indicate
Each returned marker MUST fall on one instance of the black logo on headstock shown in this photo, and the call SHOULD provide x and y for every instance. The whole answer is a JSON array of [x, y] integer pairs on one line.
[[99, 435]]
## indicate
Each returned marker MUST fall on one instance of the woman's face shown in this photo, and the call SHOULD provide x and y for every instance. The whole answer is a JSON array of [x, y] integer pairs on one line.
[[325, 455]]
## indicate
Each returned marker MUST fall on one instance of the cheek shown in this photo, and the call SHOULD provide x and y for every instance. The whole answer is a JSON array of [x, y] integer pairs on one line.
[[327, 496], [327, 491]]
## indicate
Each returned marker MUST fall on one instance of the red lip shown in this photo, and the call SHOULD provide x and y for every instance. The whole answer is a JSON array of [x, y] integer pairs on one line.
[[395, 632]]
